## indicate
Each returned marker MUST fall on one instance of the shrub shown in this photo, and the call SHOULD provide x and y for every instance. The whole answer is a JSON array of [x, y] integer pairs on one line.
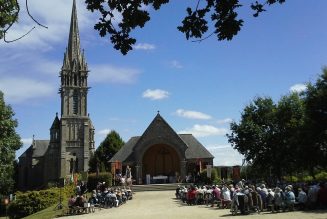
[[291, 178], [322, 176], [214, 176], [307, 179], [33, 201], [93, 180]]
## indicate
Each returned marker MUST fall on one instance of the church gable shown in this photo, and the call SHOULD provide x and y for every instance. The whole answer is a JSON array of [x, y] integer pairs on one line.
[[160, 132]]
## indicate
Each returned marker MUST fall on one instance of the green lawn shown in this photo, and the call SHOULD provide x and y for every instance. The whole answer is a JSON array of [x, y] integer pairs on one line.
[[48, 213]]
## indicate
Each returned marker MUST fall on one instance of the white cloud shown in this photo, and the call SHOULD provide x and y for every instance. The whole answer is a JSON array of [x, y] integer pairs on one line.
[[225, 155], [103, 132], [48, 67], [21, 89], [224, 121], [204, 130], [112, 74], [26, 141], [298, 88], [55, 14], [176, 64], [156, 94], [192, 114], [144, 46], [215, 147]]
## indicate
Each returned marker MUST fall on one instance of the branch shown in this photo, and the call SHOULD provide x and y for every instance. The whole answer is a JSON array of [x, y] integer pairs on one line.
[[197, 5], [10, 41], [33, 17], [200, 40], [10, 25]]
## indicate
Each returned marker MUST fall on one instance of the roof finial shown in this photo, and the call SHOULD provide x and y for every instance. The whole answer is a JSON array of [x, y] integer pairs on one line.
[[56, 114], [158, 111]]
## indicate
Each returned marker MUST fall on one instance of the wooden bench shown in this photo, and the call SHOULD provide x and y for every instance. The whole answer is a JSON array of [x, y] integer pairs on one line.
[[79, 210]]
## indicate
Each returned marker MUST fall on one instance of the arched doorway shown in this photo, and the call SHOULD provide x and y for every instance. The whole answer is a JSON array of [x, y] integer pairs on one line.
[[161, 159]]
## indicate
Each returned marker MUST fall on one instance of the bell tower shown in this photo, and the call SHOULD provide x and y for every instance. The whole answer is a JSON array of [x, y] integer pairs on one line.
[[77, 131]]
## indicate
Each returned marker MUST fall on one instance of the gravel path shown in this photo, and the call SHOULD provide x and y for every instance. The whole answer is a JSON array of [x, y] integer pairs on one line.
[[163, 205]]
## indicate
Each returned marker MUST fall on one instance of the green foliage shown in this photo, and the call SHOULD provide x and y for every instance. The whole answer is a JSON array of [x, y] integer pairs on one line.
[[280, 139], [8, 14], [291, 179], [203, 177], [28, 203], [322, 176], [93, 180], [214, 176], [222, 15], [9, 143], [268, 131], [316, 127], [307, 179], [106, 150]]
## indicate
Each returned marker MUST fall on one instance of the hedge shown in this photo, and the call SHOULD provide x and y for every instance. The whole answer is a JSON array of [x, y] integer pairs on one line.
[[33, 201], [93, 180]]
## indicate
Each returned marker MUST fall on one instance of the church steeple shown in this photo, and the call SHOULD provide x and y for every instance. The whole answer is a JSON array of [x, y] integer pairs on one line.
[[74, 73], [74, 49]]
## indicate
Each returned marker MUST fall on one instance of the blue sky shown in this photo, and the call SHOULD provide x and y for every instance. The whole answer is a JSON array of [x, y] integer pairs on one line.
[[199, 88]]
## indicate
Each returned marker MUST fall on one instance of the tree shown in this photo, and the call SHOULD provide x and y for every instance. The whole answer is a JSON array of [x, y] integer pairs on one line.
[[9, 143], [8, 15], [222, 14], [106, 150], [253, 136], [316, 127], [269, 134], [290, 119]]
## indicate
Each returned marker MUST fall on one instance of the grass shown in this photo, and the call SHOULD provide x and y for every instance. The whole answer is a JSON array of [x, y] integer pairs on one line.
[[48, 213]]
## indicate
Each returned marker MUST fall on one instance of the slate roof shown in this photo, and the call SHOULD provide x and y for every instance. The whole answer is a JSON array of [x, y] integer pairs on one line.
[[195, 149], [38, 148], [126, 151]]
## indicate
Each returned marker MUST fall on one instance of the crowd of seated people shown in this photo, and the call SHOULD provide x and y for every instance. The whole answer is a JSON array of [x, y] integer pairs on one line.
[[103, 196], [247, 197]]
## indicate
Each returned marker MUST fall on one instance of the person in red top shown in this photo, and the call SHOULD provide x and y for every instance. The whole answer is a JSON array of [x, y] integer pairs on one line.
[[216, 195], [191, 195]]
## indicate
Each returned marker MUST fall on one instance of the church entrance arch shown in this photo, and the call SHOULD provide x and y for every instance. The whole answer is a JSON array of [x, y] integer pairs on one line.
[[161, 159]]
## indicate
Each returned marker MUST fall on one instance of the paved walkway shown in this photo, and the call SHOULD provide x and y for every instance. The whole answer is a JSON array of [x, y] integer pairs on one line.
[[163, 205]]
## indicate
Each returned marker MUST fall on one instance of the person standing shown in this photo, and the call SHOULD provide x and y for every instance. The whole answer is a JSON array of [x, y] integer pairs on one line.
[[128, 176]]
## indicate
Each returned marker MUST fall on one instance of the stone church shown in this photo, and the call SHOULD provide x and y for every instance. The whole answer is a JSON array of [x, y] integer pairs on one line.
[[162, 155], [72, 134]]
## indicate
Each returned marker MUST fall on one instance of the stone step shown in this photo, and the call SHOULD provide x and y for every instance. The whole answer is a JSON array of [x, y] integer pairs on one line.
[[157, 187]]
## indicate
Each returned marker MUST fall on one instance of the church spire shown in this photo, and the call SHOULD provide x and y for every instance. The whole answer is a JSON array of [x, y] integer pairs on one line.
[[74, 50], [74, 73]]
